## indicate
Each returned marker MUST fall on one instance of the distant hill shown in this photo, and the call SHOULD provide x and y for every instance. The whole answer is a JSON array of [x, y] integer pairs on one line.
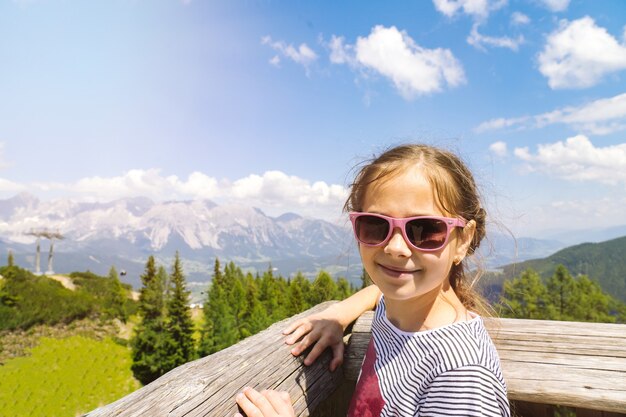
[[604, 262]]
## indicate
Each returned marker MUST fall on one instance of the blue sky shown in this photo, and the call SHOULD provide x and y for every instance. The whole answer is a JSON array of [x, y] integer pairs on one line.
[[271, 103]]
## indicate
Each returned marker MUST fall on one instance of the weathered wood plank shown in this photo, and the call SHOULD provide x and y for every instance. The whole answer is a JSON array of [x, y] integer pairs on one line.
[[563, 358], [207, 386], [357, 346], [551, 362]]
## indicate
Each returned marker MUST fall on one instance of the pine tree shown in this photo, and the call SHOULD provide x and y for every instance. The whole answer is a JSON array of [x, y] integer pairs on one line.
[[590, 304], [220, 328], [10, 259], [297, 303], [525, 297], [149, 342], [179, 324], [561, 287], [305, 285], [116, 302], [164, 279], [269, 295], [343, 289], [218, 277], [231, 274], [233, 284], [281, 291], [323, 288], [254, 317], [238, 306]]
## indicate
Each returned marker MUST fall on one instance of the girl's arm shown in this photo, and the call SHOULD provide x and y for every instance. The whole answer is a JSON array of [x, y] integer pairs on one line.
[[325, 329]]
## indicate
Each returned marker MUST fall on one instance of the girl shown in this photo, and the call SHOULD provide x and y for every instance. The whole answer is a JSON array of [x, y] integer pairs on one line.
[[416, 214]]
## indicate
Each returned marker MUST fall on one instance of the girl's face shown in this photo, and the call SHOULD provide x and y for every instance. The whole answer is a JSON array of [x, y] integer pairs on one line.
[[400, 271]]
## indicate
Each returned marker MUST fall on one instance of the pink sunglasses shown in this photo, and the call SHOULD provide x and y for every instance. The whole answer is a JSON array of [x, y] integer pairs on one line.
[[424, 233]]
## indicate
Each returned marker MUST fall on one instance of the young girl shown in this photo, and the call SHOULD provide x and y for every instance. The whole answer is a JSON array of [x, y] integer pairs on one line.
[[416, 214]]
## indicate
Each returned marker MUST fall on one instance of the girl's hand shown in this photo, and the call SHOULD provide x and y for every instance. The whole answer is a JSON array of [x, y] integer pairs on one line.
[[267, 403], [321, 330], [325, 329]]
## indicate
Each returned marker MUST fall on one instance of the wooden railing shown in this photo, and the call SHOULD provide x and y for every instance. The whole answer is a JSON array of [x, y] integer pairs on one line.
[[545, 363]]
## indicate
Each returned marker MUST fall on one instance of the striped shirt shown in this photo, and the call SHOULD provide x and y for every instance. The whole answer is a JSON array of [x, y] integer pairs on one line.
[[449, 371]]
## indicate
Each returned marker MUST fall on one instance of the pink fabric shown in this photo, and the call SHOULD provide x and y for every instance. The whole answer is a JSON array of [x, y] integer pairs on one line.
[[367, 400]]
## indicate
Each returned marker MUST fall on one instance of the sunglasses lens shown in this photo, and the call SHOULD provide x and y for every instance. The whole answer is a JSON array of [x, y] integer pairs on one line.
[[371, 230], [427, 233]]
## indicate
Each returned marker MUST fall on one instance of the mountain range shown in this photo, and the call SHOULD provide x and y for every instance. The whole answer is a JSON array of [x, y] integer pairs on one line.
[[125, 232]]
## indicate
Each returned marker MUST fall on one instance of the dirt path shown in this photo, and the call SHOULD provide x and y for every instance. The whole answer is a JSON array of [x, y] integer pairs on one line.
[[65, 281]]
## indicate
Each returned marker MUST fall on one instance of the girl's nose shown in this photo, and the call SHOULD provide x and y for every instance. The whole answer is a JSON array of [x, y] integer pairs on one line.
[[396, 245]]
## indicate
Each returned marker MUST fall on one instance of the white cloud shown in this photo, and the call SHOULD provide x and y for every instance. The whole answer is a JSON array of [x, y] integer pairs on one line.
[[556, 5], [302, 55], [480, 41], [278, 188], [413, 70], [577, 159], [136, 182], [274, 191], [198, 185], [7, 186], [340, 53], [519, 19], [500, 123], [275, 61], [499, 149], [599, 117], [579, 53], [478, 9]]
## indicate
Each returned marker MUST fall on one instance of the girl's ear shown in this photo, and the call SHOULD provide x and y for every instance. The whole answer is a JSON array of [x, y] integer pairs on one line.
[[464, 240]]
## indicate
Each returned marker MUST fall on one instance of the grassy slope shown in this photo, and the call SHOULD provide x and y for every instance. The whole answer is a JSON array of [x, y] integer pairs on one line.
[[68, 376], [65, 377]]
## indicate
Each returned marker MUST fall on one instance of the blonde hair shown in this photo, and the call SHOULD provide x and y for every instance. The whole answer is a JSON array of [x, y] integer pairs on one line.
[[454, 188]]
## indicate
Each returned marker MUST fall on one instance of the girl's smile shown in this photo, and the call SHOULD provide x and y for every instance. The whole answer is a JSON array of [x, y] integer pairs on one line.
[[398, 272]]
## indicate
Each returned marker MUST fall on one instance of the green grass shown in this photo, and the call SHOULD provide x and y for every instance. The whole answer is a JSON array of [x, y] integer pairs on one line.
[[65, 378]]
